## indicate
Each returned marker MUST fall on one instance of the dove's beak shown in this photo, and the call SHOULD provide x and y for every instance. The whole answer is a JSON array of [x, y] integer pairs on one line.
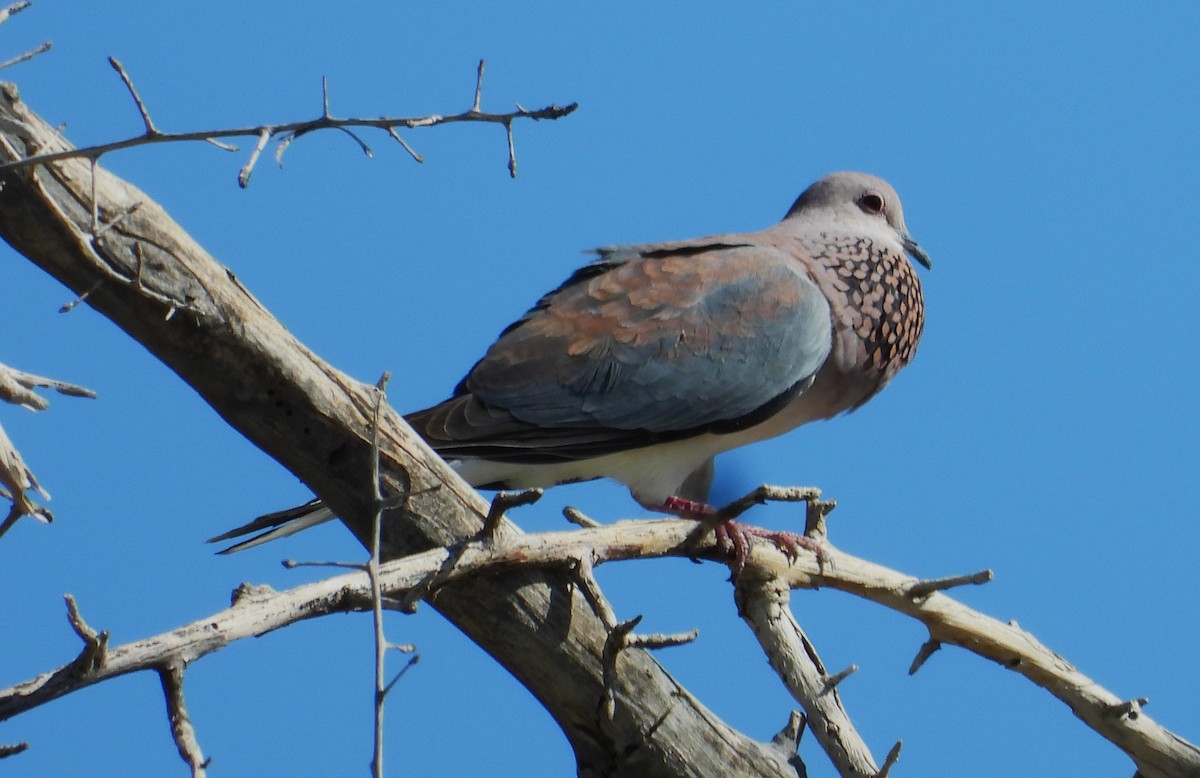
[[914, 250]]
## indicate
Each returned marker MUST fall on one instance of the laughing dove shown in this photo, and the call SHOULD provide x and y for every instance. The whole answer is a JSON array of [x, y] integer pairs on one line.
[[652, 359]]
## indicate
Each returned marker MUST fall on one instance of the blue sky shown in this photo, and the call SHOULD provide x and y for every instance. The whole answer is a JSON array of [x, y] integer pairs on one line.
[[1047, 158]]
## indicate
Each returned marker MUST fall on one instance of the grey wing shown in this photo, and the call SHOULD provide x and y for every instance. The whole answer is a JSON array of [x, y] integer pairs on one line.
[[669, 342]]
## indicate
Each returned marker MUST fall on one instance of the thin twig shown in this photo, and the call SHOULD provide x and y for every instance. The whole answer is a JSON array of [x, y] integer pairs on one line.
[[512, 151], [475, 107], [381, 689], [586, 579], [407, 665], [922, 589], [41, 48], [151, 130], [292, 564], [655, 640], [890, 760], [789, 737], [115, 222], [291, 130], [501, 503], [579, 518], [13, 750], [16, 386], [95, 644], [832, 681], [416, 157], [927, 649], [13, 10], [264, 135]]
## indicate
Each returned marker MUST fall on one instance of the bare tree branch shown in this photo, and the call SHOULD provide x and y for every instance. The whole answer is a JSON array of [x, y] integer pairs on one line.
[[5, 14], [763, 603], [1156, 751], [288, 132], [17, 387]]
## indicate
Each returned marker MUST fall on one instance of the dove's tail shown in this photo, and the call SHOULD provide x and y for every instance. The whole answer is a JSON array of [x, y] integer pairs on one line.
[[276, 525]]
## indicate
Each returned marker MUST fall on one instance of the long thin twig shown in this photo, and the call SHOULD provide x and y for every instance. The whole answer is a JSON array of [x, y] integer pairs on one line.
[[381, 689], [289, 131]]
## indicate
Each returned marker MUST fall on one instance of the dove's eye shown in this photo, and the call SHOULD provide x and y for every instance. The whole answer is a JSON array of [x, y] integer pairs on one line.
[[871, 203]]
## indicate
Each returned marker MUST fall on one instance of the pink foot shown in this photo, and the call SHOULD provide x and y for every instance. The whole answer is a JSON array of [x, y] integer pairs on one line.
[[732, 536]]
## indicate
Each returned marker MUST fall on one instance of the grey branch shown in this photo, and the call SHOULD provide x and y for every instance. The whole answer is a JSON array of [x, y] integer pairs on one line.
[[288, 132], [5, 14], [763, 603], [16, 386], [16, 479], [763, 590]]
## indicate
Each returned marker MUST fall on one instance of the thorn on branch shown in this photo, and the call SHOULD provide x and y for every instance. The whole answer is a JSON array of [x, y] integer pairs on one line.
[[41, 48], [475, 106], [922, 589], [12, 750], [13, 10], [656, 640], [927, 649], [814, 518], [95, 644], [361, 143], [292, 564], [512, 151], [613, 645], [407, 665], [1130, 708], [220, 145], [416, 157], [579, 518], [789, 737], [832, 681], [104, 228], [501, 503], [264, 135], [249, 593], [890, 760], [586, 579], [151, 130], [16, 386]]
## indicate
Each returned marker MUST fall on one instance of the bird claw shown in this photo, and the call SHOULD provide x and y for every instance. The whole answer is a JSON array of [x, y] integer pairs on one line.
[[734, 538]]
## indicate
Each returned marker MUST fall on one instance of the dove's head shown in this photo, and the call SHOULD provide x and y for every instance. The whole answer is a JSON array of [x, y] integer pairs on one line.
[[859, 202]]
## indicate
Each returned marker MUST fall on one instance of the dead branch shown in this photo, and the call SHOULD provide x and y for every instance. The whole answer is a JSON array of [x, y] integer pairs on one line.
[[288, 132], [763, 603], [1156, 751], [7, 13], [17, 387], [16, 479]]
